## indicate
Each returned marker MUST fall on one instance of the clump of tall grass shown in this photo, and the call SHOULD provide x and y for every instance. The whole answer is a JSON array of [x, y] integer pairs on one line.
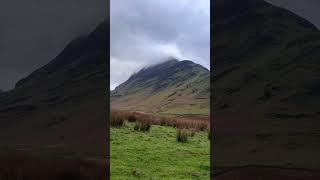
[[132, 117], [117, 119], [143, 123], [200, 125], [182, 135]]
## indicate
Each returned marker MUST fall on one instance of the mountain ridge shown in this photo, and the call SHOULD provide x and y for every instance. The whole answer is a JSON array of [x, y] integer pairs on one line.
[[165, 83]]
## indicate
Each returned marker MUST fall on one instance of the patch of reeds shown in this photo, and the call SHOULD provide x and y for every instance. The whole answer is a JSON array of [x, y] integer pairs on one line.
[[144, 121]]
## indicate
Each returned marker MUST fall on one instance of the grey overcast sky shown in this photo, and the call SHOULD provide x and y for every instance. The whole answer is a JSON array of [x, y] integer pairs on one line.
[[33, 32], [146, 32], [143, 31]]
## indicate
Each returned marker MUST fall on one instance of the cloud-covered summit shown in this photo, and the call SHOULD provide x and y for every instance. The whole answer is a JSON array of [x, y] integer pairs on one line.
[[146, 32]]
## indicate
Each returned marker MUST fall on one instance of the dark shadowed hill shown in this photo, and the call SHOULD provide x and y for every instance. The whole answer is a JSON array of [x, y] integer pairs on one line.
[[61, 105], [266, 86], [172, 87]]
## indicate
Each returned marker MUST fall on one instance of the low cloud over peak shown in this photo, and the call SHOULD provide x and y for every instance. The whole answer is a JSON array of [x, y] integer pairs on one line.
[[146, 32]]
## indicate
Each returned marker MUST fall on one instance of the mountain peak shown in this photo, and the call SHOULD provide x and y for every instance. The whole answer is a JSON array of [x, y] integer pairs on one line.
[[164, 81]]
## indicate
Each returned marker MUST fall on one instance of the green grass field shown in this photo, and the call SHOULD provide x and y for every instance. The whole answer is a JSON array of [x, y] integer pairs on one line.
[[157, 154]]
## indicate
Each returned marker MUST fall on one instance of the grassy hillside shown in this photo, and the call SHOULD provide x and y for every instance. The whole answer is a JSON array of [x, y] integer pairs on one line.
[[172, 87], [266, 86], [157, 154]]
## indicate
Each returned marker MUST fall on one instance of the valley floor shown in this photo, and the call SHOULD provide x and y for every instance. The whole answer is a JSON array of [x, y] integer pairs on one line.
[[157, 154]]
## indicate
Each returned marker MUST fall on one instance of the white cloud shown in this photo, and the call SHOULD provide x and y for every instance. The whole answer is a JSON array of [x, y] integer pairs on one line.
[[146, 32]]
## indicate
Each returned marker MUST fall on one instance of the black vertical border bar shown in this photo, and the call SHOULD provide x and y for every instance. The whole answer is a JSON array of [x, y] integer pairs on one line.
[[212, 67], [108, 88]]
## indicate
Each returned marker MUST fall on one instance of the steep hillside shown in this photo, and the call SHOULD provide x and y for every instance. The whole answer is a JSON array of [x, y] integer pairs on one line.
[[266, 85], [61, 105], [172, 87]]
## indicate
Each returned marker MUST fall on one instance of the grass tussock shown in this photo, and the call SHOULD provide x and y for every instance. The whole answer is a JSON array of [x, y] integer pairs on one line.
[[16, 166], [117, 119], [132, 118], [200, 125], [143, 123], [182, 135]]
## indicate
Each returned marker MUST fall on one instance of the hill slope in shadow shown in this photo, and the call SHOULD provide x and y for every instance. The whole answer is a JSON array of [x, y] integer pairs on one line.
[[62, 105], [266, 86]]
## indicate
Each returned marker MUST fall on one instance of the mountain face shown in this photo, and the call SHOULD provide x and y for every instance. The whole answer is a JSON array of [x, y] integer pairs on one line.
[[266, 83], [63, 103], [172, 87]]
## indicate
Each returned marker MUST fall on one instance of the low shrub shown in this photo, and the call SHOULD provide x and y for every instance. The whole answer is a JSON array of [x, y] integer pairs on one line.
[[182, 135]]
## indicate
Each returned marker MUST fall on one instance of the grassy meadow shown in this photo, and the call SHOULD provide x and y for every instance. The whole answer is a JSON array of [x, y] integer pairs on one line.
[[157, 154]]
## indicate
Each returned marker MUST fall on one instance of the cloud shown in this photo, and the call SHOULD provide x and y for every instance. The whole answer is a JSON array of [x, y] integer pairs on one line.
[[146, 32]]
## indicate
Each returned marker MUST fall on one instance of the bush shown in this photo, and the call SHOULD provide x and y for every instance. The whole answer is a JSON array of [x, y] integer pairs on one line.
[[209, 133], [143, 123], [117, 119], [182, 135]]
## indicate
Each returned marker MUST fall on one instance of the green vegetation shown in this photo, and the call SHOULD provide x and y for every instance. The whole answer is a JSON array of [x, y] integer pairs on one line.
[[157, 154]]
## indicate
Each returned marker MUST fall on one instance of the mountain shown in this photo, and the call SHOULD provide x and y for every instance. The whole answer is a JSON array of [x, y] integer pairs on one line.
[[171, 87], [266, 85], [62, 104]]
